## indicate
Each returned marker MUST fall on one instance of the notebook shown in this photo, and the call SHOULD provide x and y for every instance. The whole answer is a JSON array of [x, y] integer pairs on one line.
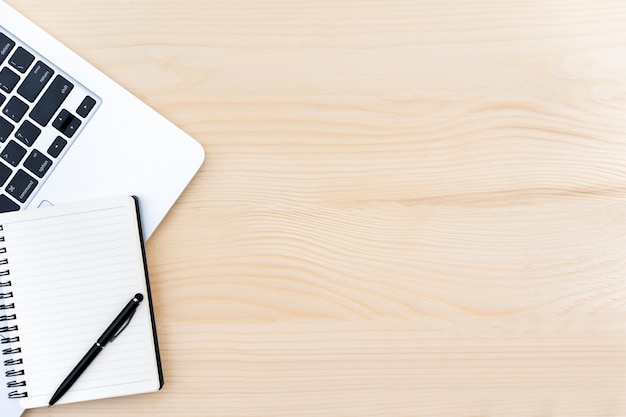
[[70, 133], [66, 272]]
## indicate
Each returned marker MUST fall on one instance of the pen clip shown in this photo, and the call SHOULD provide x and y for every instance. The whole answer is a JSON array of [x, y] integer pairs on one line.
[[121, 329]]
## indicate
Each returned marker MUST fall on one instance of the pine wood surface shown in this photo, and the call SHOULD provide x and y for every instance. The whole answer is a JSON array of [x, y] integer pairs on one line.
[[408, 208]]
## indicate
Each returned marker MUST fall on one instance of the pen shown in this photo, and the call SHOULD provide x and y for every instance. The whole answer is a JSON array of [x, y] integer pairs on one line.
[[114, 329]]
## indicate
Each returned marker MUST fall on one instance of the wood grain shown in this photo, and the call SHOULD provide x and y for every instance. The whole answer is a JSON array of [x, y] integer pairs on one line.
[[408, 207]]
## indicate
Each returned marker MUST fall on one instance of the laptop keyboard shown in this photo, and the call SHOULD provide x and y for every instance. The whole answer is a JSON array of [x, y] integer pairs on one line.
[[42, 112]]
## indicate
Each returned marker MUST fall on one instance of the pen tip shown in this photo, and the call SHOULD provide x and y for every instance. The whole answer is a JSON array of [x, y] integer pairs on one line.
[[139, 297]]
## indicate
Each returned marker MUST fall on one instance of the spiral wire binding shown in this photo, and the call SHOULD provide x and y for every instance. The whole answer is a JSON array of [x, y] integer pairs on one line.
[[6, 316]]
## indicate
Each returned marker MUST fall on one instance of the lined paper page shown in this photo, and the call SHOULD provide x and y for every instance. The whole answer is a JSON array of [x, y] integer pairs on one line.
[[72, 272]]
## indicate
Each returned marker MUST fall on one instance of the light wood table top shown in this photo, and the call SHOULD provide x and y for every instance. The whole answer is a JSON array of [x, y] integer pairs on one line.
[[408, 208]]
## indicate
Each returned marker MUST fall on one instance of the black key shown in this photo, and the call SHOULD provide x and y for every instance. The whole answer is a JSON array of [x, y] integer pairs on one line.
[[6, 204], [5, 173], [57, 147], [6, 128], [38, 163], [15, 109], [2, 98], [85, 107], [21, 59], [21, 186], [66, 123], [6, 45], [28, 133], [8, 80], [13, 153], [51, 100], [35, 81], [72, 127]]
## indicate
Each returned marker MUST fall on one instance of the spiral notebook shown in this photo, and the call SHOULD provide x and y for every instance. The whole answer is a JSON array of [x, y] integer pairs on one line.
[[65, 273]]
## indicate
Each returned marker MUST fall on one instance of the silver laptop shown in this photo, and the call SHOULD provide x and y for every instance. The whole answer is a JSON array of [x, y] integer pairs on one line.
[[68, 132]]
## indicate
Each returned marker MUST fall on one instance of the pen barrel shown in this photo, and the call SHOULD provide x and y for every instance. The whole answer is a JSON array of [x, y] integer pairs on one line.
[[76, 372], [86, 360]]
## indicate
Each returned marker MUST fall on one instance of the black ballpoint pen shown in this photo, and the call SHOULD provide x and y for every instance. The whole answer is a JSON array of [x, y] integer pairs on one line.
[[114, 329]]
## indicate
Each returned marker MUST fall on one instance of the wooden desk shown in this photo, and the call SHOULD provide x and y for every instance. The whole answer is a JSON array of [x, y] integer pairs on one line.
[[408, 208]]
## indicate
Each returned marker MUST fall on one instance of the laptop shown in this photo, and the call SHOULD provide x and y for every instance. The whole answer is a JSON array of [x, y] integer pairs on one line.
[[68, 132]]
